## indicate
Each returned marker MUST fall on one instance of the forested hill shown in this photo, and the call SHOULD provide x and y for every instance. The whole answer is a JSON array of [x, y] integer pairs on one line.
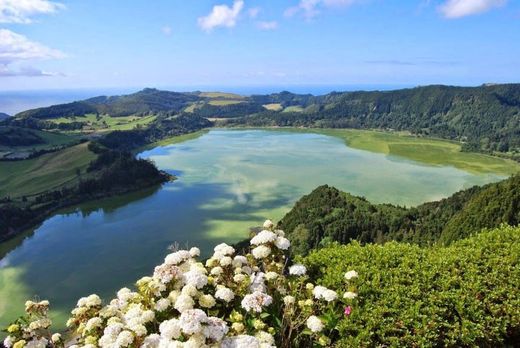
[[3, 116], [143, 102], [485, 118], [327, 214]]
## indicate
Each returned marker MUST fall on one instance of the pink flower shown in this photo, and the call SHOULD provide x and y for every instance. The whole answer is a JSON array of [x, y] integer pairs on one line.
[[348, 310]]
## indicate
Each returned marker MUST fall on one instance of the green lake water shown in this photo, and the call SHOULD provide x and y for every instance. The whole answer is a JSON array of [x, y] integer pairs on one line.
[[228, 181]]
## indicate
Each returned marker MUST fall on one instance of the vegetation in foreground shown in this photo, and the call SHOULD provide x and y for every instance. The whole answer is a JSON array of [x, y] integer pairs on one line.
[[462, 295], [328, 214], [252, 300]]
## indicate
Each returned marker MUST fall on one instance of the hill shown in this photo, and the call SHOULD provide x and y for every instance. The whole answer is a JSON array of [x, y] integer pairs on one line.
[[327, 215], [4, 116], [484, 118]]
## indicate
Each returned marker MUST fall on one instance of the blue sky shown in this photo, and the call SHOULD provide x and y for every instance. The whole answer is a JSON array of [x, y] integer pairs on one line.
[[183, 44]]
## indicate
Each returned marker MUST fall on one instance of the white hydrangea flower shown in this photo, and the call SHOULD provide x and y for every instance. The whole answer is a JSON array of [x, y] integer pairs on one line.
[[215, 329], [138, 329], [9, 341], [297, 270], [89, 301], [37, 343], [263, 237], [222, 250], [282, 243], [257, 282], [265, 338], [216, 271], [207, 301], [349, 295], [194, 252], [162, 304], [196, 278], [268, 224], [329, 295], [239, 278], [170, 329], [124, 339], [177, 257], [183, 303], [112, 330], [289, 300], [151, 341], [226, 261], [93, 323], [56, 337], [239, 261], [225, 294], [255, 301], [241, 341], [351, 274], [261, 251], [318, 291], [191, 321], [314, 323], [271, 276]]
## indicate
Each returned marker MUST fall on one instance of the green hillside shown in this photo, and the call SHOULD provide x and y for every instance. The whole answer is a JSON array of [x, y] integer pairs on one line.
[[485, 118], [327, 215], [31, 176]]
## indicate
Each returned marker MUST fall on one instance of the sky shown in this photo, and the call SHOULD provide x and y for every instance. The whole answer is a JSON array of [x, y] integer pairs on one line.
[[66, 44]]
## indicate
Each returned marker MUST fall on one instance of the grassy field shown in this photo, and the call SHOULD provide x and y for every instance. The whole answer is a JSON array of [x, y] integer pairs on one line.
[[273, 106], [424, 150], [51, 139], [51, 170], [296, 108], [223, 102], [221, 95], [106, 122]]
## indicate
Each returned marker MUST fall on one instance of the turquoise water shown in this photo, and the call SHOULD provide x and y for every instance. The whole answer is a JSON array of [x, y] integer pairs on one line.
[[228, 181]]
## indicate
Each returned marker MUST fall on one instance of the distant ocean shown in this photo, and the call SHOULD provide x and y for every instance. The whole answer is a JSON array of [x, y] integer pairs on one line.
[[12, 102]]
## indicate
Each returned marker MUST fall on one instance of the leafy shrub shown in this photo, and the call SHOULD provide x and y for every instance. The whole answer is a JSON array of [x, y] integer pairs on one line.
[[466, 294]]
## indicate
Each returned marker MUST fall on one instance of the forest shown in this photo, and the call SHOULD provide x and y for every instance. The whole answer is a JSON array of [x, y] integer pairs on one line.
[[329, 215]]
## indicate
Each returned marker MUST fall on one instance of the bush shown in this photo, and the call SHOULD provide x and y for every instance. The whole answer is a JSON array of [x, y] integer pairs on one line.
[[466, 294]]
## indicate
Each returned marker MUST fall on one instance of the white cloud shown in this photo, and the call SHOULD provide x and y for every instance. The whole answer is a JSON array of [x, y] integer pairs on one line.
[[311, 8], [167, 30], [267, 25], [20, 11], [462, 8], [253, 12], [6, 71], [15, 48], [221, 16]]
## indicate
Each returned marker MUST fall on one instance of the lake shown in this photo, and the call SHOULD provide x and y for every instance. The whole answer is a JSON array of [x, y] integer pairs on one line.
[[228, 181]]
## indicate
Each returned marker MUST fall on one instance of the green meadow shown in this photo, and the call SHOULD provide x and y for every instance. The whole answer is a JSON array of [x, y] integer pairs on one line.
[[106, 122], [51, 139], [31, 176], [424, 150], [273, 106]]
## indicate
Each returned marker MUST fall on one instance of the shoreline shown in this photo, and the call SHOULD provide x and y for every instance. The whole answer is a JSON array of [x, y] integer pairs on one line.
[[46, 213]]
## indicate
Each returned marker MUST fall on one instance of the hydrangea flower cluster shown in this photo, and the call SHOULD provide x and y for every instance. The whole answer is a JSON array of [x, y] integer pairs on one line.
[[231, 301]]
